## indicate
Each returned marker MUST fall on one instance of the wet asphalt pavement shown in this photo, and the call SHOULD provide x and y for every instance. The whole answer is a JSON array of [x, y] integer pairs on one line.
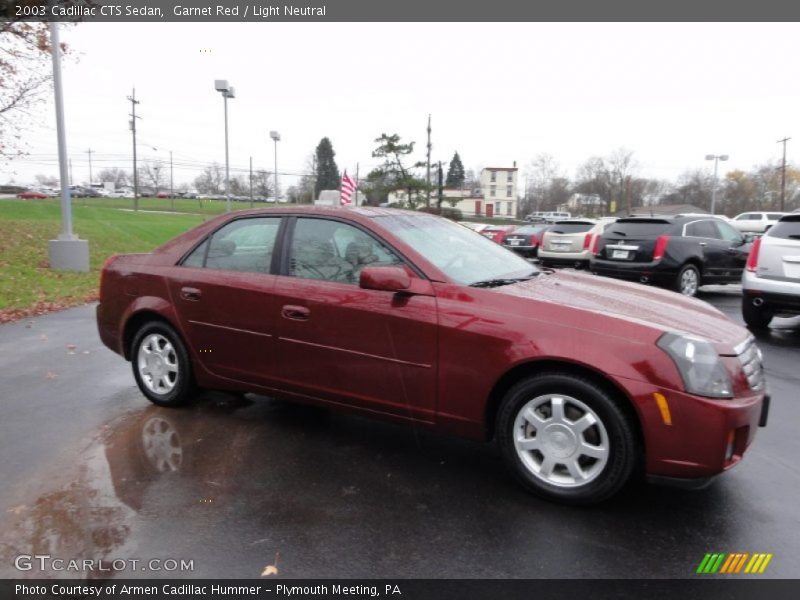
[[90, 469]]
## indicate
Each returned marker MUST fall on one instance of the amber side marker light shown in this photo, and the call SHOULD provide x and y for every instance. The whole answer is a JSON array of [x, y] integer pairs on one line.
[[663, 407]]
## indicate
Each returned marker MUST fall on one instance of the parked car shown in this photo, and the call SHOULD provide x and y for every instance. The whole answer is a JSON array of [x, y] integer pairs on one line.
[[756, 222], [497, 233], [547, 216], [163, 195], [525, 240], [679, 252], [569, 242], [583, 381], [771, 280], [32, 195]]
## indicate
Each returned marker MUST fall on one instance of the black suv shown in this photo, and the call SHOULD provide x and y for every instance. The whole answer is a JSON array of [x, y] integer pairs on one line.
[[681, 252]]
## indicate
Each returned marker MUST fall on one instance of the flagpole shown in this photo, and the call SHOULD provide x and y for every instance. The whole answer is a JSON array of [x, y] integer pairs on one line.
[[356, 190]]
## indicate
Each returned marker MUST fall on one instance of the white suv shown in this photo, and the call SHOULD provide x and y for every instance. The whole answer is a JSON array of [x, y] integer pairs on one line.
[[771, 279], [756, 222]]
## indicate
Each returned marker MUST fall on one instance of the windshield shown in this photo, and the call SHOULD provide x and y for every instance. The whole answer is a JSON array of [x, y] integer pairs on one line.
[[463, 255]]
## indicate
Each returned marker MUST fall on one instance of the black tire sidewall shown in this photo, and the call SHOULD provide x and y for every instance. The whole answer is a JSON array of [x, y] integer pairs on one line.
[[755, 318], [623, 446], [184, 389]]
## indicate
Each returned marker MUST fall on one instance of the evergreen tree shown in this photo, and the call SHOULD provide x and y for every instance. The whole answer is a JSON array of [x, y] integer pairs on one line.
[[328, 176], [455, 173]]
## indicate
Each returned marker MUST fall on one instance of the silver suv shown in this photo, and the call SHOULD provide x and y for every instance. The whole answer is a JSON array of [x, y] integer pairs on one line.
[[771, 279]]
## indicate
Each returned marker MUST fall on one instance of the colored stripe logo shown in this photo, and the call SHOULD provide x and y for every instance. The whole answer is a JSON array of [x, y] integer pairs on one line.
[[738, 562]]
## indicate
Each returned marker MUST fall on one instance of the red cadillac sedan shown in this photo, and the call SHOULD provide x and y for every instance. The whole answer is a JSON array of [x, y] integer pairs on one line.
[[582, 381]]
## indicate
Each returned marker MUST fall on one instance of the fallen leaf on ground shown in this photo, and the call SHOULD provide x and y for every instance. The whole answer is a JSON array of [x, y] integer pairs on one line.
[[271, 569], [51, 375]]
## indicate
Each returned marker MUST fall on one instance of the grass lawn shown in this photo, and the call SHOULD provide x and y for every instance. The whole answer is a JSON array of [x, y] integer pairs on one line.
[[28, 286]]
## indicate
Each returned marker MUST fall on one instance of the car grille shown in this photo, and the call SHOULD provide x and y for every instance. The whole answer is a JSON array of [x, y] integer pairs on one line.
[[750, 358]]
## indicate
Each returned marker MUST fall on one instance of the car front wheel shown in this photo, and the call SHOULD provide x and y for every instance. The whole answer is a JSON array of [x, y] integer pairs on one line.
[[161, 365], [565, 439]]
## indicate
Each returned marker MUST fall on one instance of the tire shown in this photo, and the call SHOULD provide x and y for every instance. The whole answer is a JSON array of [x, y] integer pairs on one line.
[[555, 468], [757, 319], [688, 280], [161, 365]]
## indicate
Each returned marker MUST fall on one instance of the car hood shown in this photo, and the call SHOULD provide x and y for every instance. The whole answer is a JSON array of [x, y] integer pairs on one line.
[[633, 302]]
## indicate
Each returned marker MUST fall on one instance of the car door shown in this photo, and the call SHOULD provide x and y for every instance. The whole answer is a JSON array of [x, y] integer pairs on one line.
[[735, 253], [371, 349], [711, 246], [223, 294]]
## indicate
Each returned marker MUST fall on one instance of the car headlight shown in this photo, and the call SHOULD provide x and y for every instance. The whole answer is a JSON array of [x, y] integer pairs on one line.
[[699, 365]]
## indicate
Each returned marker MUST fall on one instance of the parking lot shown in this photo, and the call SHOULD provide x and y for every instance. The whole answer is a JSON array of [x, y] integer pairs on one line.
[[93, 470]]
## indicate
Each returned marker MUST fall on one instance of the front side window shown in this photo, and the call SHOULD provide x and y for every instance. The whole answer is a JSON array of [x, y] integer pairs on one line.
[[335, 251], [241, 245], [728, 233]]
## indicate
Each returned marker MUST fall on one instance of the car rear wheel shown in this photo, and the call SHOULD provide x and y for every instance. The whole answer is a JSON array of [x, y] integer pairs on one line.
[[565, 439], [161, 365], [757, 318], [688, 280]]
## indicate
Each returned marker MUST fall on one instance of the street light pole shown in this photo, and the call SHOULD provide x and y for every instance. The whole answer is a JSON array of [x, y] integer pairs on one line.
[[221, 85], [716, 158], [67, 253], [276, 137]]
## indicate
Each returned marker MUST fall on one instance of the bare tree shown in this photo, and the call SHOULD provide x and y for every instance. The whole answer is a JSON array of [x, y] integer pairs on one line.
[[211, 180], [539, 177], [262, 183], [25, 76], [47, 180], [118, 177], [153, 173]]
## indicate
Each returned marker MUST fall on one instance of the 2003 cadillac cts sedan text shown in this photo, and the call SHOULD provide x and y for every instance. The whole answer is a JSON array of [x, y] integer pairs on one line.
[[582, 381]]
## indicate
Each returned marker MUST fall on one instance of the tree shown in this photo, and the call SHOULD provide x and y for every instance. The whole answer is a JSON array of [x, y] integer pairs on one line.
[[328, 176], [540, 175], [211, 180], [25, 75], [262, 184], [393, 173], [455, 173], [118, 176], [152, 173], [47, 180]]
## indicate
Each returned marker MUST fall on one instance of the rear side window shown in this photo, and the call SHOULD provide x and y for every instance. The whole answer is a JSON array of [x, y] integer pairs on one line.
[[637, 229], [571, 227], [774, 216], [787, 229], [702, 229], [242, 245], [749, 217]]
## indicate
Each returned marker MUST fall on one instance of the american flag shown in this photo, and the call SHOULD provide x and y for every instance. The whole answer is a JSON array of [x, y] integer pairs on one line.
[[348, 187]]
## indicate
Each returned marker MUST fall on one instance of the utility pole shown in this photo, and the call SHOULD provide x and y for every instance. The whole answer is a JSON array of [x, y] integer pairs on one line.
[[441, 186], [132, 99], [428, 175], [783, 173], [171, 185], [71, 182], [251, 182], [89, 151]]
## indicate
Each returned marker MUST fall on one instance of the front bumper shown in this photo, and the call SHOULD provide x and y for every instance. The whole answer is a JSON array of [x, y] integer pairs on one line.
[[705, 436]]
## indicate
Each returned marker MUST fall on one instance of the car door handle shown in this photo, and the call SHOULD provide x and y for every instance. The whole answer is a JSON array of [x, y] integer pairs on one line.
[[190, 293], [295, 313], [704, 244]]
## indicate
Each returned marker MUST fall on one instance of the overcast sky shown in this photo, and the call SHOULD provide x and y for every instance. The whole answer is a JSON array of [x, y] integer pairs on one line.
[[497, 93]]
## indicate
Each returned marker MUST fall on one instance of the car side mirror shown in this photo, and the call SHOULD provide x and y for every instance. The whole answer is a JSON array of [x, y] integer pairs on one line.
[[748, 238], [387, 279]]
